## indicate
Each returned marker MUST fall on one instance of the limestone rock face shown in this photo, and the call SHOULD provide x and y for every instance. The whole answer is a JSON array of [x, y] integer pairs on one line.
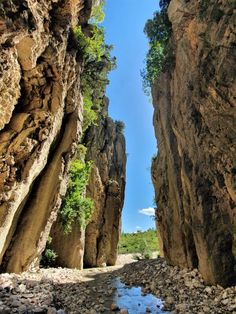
[[41, 117], [40, 121], [96, 245], [194, 173], [68, 247], [106, 147]]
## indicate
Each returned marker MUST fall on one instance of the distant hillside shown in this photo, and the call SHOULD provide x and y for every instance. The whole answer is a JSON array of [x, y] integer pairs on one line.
[[134, 242]]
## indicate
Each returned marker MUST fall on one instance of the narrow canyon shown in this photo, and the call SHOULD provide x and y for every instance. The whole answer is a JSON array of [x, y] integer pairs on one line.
[[63, 158]]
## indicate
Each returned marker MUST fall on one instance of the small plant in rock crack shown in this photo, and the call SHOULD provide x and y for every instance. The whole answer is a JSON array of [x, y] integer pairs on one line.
[[120, 126], [49, 256]]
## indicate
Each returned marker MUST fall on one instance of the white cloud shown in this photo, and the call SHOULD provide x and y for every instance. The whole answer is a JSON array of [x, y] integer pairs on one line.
[[150, 211], [138, 227]]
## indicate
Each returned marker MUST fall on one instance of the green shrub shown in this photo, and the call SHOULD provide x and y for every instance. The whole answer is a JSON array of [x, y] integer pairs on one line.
[[98, 15], [93, 84], [154, 157], [133, 242], [120, 126], [81, 151], [97, 60], [164, 4], [145, 250], [76, 206], [154, 65], [97, 64], [158, 30], [90, 112], [49, 257], [91, 45]]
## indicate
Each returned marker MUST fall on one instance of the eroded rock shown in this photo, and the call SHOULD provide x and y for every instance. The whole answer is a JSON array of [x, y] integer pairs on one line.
[[96, 245], [194, 120], [107, 149], [40, 81]]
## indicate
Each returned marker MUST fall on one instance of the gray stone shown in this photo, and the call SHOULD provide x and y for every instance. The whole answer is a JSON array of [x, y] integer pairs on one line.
[[51, 310]]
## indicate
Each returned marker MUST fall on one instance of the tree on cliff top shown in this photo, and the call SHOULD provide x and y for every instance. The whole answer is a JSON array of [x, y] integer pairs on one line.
[[98, 62], [158, 30]]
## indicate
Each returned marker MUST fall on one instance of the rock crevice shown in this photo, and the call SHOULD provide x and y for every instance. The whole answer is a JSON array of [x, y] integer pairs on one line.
[[96, 244], [41, 117]]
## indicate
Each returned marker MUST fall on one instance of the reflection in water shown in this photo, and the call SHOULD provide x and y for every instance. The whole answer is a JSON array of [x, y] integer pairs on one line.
[[133, 300]]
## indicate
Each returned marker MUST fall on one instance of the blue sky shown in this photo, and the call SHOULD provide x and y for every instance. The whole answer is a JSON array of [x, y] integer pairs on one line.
[[124, 23]]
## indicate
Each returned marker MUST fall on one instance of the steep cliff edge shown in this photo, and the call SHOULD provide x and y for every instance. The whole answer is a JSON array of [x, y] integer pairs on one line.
[[95, 244], [41, 120], [106, 147], [194, 173]]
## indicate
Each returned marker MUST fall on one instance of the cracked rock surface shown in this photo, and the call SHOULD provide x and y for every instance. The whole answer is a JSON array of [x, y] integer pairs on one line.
[[194, 171]]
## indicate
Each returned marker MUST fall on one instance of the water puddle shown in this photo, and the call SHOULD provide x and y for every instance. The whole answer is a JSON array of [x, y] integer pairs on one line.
[[134, 300]]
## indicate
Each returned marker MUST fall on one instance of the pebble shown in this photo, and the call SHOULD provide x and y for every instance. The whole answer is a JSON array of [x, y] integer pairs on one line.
[[22, 288], [187, 292], [114, 307], [225, 301], [52, 310], [208, 290], [62, 291], [180, 307], [16, 303]]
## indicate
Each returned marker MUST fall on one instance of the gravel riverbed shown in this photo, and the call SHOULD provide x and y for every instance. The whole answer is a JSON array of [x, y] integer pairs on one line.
[[92, 291]]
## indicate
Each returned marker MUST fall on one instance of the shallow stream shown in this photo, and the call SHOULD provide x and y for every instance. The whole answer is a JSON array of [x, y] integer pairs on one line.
[[134, 300]]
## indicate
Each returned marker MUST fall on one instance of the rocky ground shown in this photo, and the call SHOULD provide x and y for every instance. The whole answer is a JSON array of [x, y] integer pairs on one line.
[[92, 291]]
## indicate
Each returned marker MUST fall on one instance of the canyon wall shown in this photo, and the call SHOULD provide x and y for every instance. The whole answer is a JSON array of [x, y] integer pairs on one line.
[[97, 243], [41, 116], [106, 147], [194, 173]]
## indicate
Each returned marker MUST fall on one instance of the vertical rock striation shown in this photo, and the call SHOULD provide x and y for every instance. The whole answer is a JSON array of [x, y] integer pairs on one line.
[[40, 121], [41, 117], [194, 173], [96, 245], [69, 248], [106, 147]]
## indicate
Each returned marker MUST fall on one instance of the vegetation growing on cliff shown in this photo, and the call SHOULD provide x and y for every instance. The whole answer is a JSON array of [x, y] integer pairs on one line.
[[49, 256], [98, 62], [90, 43], [158, 31], [120, 126], [76, 206], [98, 15], [94, 82]]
